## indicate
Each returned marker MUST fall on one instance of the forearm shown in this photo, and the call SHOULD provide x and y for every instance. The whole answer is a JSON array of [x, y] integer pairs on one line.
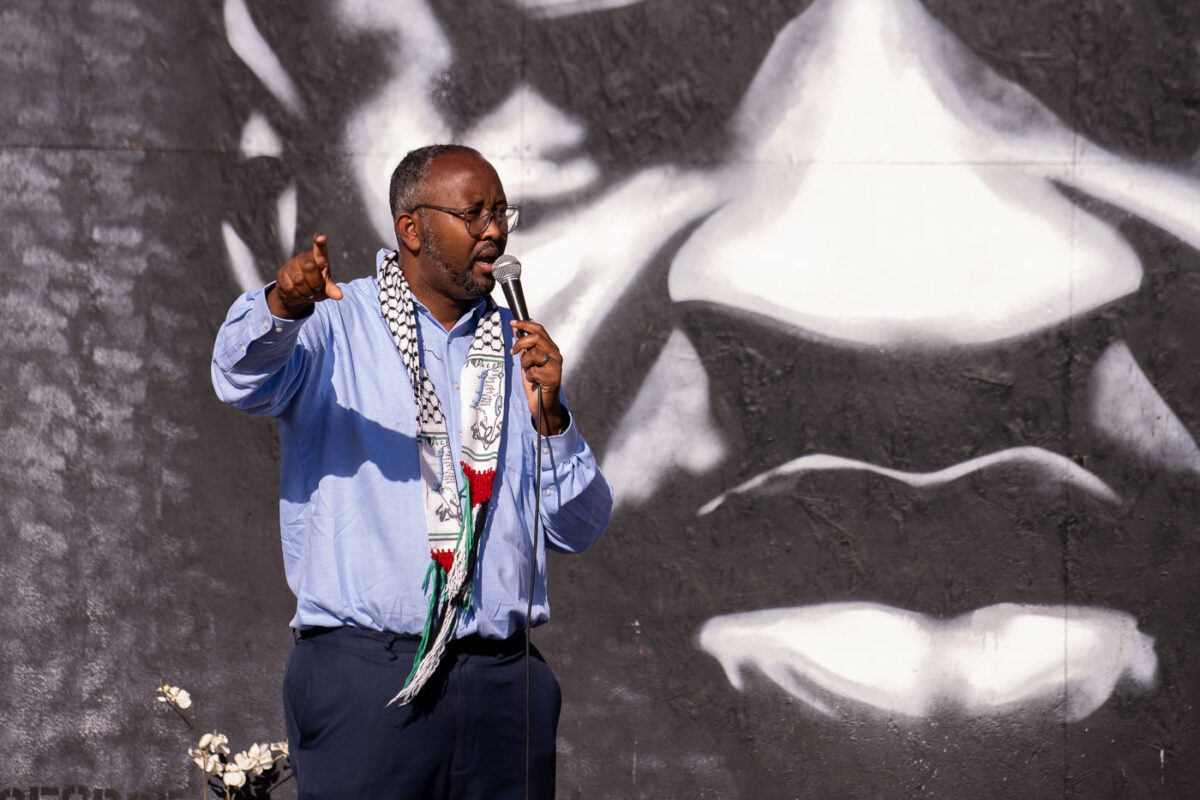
[[555, 416], [257, 365], [576, 499]]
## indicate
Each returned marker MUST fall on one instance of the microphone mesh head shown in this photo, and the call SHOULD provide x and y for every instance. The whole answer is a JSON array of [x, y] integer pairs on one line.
[[506, 268]]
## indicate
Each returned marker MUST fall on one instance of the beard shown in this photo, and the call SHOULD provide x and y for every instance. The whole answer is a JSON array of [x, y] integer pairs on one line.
[[473, 285]]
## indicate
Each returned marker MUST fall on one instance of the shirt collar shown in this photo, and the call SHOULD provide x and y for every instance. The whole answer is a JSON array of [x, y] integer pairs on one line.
[[469, 318]]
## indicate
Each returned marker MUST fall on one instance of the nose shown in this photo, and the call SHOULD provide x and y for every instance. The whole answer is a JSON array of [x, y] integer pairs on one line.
[[952, 192], [496, 229]]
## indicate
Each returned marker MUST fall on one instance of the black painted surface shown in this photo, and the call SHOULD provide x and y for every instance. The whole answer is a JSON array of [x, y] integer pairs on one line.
[[140, 528]]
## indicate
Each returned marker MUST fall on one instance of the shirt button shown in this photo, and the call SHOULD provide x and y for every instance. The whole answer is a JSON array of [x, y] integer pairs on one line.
[[545, 451], [278, 329], [456, 384], [547, 493], [266, 324]]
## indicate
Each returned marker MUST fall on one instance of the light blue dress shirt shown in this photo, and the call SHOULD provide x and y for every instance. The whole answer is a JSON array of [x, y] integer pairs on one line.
[[355, 544]]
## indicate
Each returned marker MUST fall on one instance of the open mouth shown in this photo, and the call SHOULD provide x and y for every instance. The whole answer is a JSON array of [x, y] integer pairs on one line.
[[486, 262]]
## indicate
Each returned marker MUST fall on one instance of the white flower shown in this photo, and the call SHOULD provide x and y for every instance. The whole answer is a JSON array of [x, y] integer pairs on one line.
[[215, 743], [281, 748], [243, 761], [175, 696], [206, 761], [234, 776], [257, 759]]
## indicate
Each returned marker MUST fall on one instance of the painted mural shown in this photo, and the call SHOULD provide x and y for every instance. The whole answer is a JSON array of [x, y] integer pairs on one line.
[[879, 312]]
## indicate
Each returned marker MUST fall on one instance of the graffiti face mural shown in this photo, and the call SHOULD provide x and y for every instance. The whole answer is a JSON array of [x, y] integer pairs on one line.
[[883, 310]]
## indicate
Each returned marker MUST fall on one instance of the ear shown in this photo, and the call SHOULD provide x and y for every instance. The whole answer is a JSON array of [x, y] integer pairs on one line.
[[408, 233]]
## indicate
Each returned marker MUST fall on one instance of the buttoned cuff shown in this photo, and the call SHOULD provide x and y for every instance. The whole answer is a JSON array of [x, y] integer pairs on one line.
[[257, 326], [559, 448]]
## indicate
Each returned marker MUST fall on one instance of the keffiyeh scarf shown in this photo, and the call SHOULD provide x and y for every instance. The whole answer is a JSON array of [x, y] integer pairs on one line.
[[455, 508]]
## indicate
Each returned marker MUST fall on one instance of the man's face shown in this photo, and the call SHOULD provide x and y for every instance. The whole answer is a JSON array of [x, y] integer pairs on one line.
[[467, 281], [460, 265]]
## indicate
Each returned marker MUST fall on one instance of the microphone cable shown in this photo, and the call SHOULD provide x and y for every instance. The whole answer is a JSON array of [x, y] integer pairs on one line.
[[537, 518]]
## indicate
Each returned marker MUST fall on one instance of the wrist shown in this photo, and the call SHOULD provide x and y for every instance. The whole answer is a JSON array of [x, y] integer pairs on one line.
[[282, 310], [555, 423]]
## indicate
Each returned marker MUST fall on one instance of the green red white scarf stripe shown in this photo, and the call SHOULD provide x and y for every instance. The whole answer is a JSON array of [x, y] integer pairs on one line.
[[451, 533]]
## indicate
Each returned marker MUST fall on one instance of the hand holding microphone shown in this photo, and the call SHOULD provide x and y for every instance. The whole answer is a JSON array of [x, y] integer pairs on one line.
[[541, 361], [507, 272]]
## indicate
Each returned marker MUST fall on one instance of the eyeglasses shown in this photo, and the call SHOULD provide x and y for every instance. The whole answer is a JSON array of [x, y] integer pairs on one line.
[[477, 220]]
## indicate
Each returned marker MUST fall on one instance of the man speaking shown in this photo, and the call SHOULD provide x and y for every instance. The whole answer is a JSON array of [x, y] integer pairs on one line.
[[410, 496]]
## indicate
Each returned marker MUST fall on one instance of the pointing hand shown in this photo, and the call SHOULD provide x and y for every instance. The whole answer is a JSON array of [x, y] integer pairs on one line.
[[304, 279]]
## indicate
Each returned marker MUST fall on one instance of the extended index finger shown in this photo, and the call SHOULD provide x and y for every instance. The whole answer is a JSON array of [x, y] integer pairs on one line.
[[320, 253], [320, 250]]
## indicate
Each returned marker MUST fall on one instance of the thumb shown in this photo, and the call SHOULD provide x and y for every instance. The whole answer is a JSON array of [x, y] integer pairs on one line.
[[332, 290]]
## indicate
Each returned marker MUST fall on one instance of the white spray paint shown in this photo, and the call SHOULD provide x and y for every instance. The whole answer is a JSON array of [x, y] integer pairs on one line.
[[668, 427], [403, 113], [881, 204], [858, 120], [1058, 659], [286, 212], [564, 8], [1054, 470], [1125, 407], [570, 280], [252, 48], [259, 138], [524, 163], [241, 260]]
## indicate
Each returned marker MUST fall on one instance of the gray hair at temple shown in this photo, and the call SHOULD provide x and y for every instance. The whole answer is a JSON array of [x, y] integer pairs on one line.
[[412, 172]]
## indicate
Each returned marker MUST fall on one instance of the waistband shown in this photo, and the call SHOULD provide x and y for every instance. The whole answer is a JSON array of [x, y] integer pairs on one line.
[[474, 644]]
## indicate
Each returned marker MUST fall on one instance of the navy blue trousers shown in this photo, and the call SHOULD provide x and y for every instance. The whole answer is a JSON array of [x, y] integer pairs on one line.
[[463, 738]]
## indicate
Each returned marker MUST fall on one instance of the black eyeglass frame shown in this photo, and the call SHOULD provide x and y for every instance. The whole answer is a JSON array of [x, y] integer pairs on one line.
[[506, 215]]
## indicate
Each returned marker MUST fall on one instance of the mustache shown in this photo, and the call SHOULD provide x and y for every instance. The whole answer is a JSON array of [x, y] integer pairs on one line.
[[488, 252]]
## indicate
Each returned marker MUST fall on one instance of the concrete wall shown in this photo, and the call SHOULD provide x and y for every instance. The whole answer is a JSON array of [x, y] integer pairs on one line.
[[880, 314]]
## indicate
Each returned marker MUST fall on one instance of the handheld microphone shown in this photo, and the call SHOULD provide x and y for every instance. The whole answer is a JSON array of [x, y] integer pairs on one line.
[[507, 272]]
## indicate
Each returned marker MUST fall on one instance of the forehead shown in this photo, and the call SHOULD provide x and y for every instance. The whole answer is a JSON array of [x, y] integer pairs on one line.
[[463, 178]]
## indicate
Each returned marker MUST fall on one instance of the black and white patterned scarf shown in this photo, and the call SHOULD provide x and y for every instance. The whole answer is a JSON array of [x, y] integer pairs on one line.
[[452, 533]]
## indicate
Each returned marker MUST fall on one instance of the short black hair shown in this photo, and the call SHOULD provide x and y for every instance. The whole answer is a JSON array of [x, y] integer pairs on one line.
[[413, 170]]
